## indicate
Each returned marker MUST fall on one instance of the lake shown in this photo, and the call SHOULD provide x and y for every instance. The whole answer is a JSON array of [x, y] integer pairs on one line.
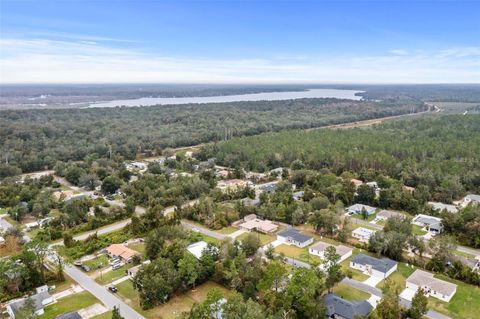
[[267, 96]]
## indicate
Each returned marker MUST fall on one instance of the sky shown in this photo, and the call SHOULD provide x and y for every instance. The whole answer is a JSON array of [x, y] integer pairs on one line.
[[273, 41]]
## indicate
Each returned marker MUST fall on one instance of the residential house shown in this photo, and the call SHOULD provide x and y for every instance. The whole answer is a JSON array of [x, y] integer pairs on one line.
[[295, 237], [252, 222], [471, 198], [363, 234], [298, 195], [122, 252], [356, 182], [268, 188], [372, 266], [432, 286], [197, 248], [386, 214], [440, 207], [320, 247], [358, 208], [431, 223], [40, 300], [340, 308], [231, 184]]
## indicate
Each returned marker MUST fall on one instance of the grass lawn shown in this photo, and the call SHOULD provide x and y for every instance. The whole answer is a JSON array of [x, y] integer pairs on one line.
[[97, 262], [399, 276], [64, 285], [105, 315], [465, 304], [350, 293], [112, 275], [69, 303], [174, 307], [463, 254], [11, 221], [417, 230], [359, 216], [227, 230], [297, 253], [140, 247], [264, 238], [210, 240]]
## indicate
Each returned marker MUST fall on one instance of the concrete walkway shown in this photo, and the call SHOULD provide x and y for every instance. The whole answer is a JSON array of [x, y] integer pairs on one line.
[[119, 280], [73, 290]]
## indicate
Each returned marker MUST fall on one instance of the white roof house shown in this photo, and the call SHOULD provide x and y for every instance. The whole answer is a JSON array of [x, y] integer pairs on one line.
[[437, 206], [363, 234], [432, 286], [197, 248], [386, 214], [431, 223], [357, 209], [471, 198], [319, 248]]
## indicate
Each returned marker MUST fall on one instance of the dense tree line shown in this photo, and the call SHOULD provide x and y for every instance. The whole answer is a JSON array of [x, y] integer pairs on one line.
[[438, 155], [36, 139]]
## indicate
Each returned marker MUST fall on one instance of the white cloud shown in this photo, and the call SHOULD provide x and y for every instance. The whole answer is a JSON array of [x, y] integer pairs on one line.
[[93, 61]]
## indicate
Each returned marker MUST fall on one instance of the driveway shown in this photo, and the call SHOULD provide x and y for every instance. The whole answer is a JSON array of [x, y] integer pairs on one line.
[[407, 294], [107, 298], [373, 281]]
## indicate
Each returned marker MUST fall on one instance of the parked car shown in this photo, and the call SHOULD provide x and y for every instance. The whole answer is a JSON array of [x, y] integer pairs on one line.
[[77, 263], [116, 266], [85, 268], [112, 289]]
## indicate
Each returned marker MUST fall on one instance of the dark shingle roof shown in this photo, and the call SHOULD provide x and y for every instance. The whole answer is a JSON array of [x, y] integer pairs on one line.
[[344, 308], [69, 315], [296, 235], [383, 265]]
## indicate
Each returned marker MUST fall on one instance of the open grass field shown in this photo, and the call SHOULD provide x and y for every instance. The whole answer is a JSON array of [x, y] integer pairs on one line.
[[62, 286], [399, 277], [174, 307], [417, 230], [464, 305], [70, 303], [105, 315], [297, 253], [369, 218], [350, 293], [227, 230], [97, 262], [210, 240], [112, 275], [140, 247], [264, 238]]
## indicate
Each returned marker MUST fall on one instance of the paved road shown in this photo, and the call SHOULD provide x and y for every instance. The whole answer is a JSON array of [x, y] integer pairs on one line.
[[101, 293], [469, 250], [202, 230]]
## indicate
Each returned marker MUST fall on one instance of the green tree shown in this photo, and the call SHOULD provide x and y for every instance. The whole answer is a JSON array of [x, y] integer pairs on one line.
[[116, 313], [333, 267], [419, 305], [189, 269]]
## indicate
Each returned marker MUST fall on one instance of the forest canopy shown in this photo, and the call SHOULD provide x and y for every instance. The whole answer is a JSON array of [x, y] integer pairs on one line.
[[439, 152], [33, 140]]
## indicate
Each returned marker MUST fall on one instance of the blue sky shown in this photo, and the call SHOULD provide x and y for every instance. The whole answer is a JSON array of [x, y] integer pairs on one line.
[[86, 41]]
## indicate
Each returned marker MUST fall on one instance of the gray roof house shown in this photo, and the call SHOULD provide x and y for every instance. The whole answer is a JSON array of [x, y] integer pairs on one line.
[[69, 315], [338, 307], [382, 267], [295, 237], [357, 209], [437, 206], [40, 300]]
